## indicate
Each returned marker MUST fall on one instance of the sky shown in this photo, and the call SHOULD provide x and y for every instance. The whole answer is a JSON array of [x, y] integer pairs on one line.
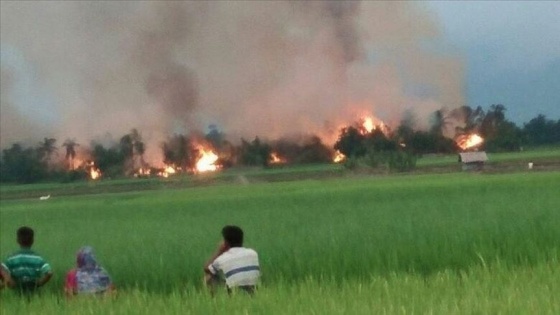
[[511, 51], [261, 68]]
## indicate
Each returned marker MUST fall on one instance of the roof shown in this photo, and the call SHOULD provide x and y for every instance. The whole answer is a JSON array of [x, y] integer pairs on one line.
[[471, 157]]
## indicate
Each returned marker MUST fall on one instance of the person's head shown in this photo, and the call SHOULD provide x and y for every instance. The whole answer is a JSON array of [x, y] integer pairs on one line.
[[85, 259], [25, 236], [233, 235]]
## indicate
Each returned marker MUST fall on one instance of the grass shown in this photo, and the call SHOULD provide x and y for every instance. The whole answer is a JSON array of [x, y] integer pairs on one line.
[[496, 290], [527, 155], [452, 243], [443, 164]]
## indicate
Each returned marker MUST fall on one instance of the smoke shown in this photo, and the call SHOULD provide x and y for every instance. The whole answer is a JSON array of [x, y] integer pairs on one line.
[[252, 68], [17, 123]]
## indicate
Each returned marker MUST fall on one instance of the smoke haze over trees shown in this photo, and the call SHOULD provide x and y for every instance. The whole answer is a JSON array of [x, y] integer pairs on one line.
[[271, 69]]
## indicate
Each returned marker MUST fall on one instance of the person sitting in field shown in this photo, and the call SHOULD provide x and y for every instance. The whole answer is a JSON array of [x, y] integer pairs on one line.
[[25, 270], [239, 266], [89, 277]]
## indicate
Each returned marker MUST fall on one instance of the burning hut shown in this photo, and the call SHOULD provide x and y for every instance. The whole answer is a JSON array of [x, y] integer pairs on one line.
[[473, 161]]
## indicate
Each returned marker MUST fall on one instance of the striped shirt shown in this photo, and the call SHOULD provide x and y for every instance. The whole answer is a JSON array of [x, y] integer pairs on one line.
[[239, 265], [26, 267]]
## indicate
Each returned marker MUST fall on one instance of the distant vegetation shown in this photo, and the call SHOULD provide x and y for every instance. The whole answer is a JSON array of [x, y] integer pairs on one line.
[[397, 149]]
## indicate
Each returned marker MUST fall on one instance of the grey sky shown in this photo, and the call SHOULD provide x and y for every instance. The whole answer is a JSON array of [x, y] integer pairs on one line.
[[511, 50]]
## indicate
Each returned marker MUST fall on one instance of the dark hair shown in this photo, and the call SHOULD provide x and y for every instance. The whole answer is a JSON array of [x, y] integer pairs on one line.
[[233, 235], [25, 236]]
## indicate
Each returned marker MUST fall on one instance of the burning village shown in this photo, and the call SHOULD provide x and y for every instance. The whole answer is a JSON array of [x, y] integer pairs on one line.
[[279, 157], [139, 103], [201, 153], [321, 86]]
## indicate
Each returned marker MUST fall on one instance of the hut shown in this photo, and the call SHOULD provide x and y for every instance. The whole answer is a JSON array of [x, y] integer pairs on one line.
[[473, 161]]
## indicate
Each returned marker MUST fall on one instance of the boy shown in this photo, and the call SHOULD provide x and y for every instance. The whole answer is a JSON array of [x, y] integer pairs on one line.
[[25, 270], [238, 265]]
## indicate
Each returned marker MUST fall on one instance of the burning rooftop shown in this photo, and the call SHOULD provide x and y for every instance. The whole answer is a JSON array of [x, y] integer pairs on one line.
[[469, 141]]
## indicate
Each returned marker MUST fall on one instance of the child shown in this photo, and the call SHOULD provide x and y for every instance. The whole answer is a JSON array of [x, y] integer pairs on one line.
[[238, 265], [25, 270]]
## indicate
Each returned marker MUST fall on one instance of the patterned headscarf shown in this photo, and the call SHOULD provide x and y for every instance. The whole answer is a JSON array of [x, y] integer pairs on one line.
[[90, 277], [86, 259]]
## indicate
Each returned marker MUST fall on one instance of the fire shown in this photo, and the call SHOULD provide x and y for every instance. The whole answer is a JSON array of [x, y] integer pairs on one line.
[[207, 161], [338, 157], [371, 124], [143, 172], [469, 141], [168, 170], [94, 172], [368, 124], [276, 159]]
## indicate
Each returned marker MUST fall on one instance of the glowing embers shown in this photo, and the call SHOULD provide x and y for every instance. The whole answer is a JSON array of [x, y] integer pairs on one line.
[[143, 171], [275, 158], [167, 170], [338, 157]]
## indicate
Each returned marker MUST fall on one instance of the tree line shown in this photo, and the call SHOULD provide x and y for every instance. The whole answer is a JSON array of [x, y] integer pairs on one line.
[[126, 157], [398, 149]]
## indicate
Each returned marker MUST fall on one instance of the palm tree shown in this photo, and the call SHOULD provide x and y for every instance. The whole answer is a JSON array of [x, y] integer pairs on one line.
[[138, 145], [47, 148], [440, 121], [493, 119], [70, 146], [472, 118]]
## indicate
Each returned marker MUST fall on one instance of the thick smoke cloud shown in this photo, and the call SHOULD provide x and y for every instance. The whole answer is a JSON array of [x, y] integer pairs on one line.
[[252, 68]]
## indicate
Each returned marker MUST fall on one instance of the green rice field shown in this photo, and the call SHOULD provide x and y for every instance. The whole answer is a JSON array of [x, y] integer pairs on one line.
[[460, 243]]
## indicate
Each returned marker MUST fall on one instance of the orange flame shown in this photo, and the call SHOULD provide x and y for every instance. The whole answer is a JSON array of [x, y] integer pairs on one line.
[[469, 141], [276, 159], [338, 157], [207, 161], [94, 172], [371, 124], [168, 170], [368, 124], [143, 172], [77, 163]]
